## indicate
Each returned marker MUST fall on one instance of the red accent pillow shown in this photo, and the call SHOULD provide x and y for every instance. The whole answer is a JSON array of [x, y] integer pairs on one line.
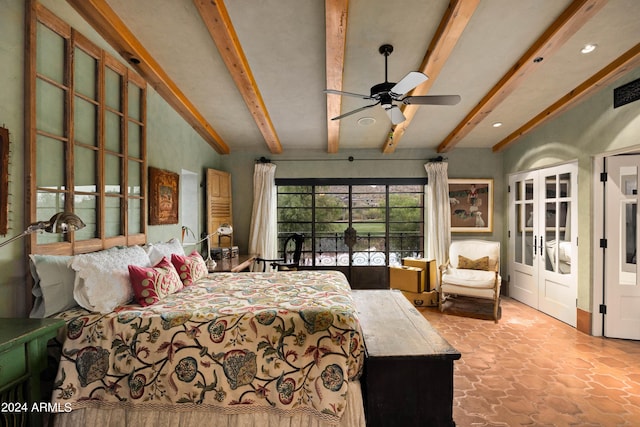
[[190, 268], [151, 284]]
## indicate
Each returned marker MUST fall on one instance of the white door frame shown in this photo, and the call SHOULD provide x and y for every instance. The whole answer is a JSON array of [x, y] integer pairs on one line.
[[597, 223]]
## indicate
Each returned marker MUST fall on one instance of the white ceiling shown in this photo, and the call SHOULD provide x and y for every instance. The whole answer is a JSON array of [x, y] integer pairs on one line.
[[284, 44]]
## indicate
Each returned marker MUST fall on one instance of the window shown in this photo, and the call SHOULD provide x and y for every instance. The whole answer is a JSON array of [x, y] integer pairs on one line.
[[86, 138], [362, 222]]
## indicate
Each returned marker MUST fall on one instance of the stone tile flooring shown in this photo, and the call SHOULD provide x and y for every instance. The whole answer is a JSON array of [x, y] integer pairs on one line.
[[533, 370]]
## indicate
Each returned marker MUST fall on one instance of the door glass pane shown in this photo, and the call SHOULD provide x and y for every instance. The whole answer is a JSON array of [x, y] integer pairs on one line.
[[85, 74], [112, 173], [519, 248], [85, 176], [549, 247], [629, 184], [550, 182], [628, 211], [406, 222], [368, 215], [135, 178], [50, 108], [85, 206], [135, 140], [564, 237], [630, 236], [135, 216], [50, 54], [135, 105], [331, 219], [528, 189], [112, 223], [113, 89], [564, 186], [528, 235], [84, 122], [113, 132], [49, 163]]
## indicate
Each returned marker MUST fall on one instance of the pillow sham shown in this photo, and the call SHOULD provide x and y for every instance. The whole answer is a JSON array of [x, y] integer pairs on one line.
[[102, 278], [151, 284], [157, 251], [473, 264], [190, 268], [53, 280]]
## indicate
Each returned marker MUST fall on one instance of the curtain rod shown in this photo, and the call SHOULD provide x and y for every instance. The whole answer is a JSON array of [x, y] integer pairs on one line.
[[350, 159]]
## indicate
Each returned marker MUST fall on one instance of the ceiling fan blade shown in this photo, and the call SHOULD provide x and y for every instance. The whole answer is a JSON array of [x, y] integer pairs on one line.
[[357, 110], [339, 92], [395, 114], [432, 100], [408, 82]]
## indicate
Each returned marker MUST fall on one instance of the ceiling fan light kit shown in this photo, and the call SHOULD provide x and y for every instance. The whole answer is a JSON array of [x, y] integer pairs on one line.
[[386, 93]]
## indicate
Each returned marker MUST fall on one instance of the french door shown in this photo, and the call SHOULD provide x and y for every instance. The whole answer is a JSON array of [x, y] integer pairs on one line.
[[622, 287], [543, 240], [357, 226]]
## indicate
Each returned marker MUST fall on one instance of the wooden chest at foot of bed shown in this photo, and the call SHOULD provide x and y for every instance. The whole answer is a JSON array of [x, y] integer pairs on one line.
[[408, 370]]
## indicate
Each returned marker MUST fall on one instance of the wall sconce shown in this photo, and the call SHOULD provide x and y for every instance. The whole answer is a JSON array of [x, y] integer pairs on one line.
[[60, 223]]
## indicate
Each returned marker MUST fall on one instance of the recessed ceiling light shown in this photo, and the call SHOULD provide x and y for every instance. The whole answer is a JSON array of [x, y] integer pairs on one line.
[[588, 48], [366, 121], [497, 124]]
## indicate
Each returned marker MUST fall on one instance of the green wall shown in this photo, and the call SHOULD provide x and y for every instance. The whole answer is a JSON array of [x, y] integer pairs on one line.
[[172, 144], [593, 127]]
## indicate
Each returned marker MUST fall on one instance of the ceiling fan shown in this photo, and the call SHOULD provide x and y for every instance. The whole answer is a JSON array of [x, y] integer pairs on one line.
[[385, 94]]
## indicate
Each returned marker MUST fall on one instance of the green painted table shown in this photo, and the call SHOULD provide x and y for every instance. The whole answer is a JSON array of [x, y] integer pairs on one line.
[[23, 356]]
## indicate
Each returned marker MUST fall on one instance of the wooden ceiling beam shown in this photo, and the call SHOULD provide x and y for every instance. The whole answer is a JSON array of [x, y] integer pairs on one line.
[[571, 20], [336, 12], [217, 20], [109, 25], [618, 68], [451, 26]]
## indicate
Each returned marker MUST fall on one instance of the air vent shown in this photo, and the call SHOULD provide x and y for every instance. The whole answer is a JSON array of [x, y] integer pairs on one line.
[[626, 94]]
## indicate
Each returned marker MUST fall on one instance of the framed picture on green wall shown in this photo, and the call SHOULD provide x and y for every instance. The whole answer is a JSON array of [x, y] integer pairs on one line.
[[163, 197], [471, 203]]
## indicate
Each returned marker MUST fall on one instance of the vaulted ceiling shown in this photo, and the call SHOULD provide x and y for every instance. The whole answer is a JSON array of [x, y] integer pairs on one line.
[[251, 74]]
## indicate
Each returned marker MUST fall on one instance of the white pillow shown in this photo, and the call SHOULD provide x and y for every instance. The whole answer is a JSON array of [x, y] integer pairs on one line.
[[102, 278], [53, 281], [157, 251]]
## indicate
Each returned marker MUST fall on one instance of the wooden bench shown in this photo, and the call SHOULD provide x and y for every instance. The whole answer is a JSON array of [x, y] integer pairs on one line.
[[408, 371]]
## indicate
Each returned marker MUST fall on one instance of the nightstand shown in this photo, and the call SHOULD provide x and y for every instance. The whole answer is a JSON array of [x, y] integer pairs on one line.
[[23, 356]]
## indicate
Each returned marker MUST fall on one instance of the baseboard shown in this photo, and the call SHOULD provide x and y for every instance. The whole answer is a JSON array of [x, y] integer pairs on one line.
[[583, 321]]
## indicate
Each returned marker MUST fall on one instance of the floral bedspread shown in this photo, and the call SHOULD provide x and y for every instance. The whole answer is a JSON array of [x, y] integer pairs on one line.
[[287, 342]]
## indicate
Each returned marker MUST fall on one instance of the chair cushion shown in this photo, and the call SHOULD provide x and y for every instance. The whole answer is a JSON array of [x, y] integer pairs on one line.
[[469, 278], [473, 264]]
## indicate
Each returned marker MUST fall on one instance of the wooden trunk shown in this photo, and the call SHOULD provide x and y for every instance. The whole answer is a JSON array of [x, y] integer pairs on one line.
[[408, 372]]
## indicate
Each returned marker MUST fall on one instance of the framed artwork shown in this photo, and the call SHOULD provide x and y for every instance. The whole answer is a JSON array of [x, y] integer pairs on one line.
[[163, 197], [471, 205]]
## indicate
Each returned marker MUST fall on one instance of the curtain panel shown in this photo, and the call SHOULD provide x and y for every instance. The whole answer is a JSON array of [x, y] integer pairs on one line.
[[263, 236], [437, 212]]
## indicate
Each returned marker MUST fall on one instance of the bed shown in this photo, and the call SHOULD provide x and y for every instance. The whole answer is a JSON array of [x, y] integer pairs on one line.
[[227, 349]]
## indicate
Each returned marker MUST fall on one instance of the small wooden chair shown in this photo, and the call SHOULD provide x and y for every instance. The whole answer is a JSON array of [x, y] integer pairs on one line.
[[291, 255]]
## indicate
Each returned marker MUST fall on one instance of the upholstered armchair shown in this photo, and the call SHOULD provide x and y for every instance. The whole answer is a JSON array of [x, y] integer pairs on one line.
[[473, 270]]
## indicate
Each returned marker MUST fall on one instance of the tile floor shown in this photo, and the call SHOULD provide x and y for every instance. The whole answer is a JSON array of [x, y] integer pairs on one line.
[[533, 370]]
